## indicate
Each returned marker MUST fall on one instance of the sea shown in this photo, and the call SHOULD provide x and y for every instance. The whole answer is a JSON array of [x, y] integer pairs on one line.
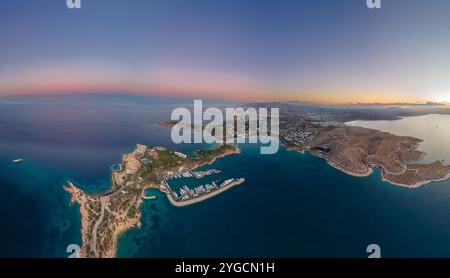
[[433, 129], [291, 205]]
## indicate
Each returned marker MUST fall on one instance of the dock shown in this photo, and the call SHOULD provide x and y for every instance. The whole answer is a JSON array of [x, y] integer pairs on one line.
[[149, 197], [193, 200]]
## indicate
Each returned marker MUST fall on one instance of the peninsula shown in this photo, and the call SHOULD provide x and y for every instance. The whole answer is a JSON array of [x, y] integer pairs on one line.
[[106, 216], [354, 150], [357, 151]]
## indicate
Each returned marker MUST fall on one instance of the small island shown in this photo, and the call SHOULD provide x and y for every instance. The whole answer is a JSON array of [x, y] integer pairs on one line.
[[106, 216]]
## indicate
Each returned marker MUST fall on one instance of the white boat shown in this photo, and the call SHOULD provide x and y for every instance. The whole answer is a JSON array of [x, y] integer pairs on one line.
[[17, 160]]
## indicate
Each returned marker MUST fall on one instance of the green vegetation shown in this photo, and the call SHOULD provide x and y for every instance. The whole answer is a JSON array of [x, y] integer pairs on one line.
[[147, 173], [215, 152], [165, 159], [122, 203], [132, 212]]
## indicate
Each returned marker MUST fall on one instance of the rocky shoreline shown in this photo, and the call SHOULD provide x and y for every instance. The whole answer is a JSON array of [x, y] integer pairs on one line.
[[105, 217]]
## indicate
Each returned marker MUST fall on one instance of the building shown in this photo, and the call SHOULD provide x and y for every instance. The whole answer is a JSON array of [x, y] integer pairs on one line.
[[141, 149], [182, 155]]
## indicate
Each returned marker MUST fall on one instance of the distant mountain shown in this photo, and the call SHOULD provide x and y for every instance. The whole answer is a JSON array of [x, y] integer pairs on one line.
[[352, 112]]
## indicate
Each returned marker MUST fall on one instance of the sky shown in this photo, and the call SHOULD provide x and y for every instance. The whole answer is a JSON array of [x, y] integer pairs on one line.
[[328, 51]]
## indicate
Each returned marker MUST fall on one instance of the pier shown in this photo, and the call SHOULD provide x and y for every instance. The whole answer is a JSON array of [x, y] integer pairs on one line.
[[149, 197], [190, 197], [196, 174]]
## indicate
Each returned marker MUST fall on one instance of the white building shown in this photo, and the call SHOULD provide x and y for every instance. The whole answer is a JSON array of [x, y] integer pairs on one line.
[[182, 155]]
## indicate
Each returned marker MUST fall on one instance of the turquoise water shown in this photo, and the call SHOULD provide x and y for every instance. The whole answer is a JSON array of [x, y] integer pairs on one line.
[[291, 205], [295, 205]]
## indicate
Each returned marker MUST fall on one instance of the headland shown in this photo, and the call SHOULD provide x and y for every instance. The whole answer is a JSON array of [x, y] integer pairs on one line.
[[104, 217]]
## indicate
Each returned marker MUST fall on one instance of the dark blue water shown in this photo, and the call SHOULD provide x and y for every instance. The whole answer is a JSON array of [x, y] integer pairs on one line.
[[291, 205]]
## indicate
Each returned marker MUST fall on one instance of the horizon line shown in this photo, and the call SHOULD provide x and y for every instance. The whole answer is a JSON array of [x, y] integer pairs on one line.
[[231, 99]]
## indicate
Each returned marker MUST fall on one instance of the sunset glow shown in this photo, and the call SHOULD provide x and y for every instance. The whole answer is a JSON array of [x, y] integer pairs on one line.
[[376, 58]]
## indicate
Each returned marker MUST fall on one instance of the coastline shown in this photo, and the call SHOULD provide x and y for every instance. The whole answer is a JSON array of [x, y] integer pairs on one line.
[[370, 171], [348, 171], [102, 242], [416, 185], [236, 150], [123, 228], [77, 196], [203, 197], [357, 151]]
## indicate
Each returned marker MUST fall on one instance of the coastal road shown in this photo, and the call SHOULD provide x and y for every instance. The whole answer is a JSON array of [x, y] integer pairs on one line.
[[93, 243]]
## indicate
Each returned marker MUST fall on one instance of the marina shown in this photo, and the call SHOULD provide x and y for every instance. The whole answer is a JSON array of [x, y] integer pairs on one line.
[[196, 174], [188, 193], [183, 194], [188, 196]]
